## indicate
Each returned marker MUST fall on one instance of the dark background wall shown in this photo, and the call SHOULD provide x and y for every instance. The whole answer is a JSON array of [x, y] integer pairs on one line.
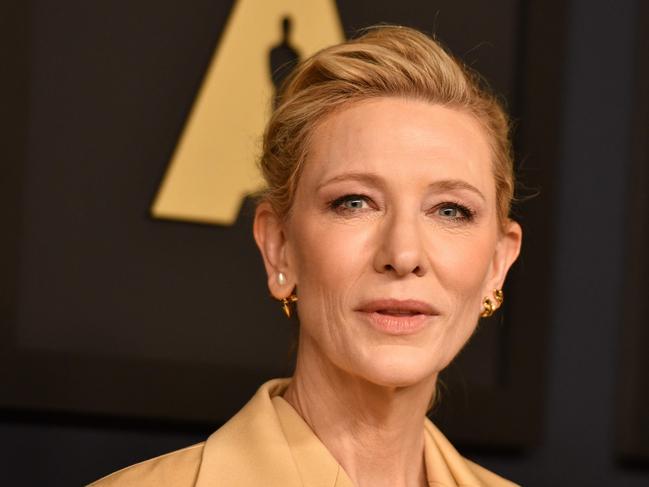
[[590, 269], [590, 222]]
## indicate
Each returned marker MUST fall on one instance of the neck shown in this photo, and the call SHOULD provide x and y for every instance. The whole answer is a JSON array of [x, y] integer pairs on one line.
[[376, 433]]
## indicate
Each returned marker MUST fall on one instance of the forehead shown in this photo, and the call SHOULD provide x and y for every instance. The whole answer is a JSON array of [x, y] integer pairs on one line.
[[400, 139]]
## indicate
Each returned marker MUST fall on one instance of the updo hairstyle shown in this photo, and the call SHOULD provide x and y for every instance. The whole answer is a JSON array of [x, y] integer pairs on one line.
[[386, 61]]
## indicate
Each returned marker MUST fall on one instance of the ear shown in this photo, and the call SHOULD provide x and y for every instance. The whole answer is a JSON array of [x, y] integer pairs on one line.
[[507, 249], [268, 230]]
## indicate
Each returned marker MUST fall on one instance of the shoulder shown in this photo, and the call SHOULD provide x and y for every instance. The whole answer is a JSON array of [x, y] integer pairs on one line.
[[465, 472], [250, 449], [487, 477], [175, 469]]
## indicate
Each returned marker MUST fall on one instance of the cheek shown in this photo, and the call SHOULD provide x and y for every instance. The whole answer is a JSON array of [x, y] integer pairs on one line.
[[329, 255], [462, 266], [329, 259], [328, 262]]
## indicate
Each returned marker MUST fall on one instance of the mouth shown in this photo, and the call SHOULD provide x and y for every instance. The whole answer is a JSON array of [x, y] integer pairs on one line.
[[396, 312], [397, 317]]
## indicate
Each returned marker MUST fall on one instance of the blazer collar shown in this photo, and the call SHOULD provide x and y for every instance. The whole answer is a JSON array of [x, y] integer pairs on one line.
[[268, 443]]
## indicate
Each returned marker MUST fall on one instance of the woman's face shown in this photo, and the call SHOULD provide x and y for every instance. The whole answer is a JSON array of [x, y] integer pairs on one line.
[[393, 239]]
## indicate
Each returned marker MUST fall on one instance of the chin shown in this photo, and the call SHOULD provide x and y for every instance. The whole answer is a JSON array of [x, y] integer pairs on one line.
[[399, 367]]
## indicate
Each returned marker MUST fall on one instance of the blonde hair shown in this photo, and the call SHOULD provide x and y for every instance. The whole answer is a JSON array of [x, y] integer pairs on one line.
[[386, 61]]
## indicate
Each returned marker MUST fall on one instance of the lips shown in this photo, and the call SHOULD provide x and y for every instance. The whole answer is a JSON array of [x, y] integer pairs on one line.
[[397, 307], [397, 317]]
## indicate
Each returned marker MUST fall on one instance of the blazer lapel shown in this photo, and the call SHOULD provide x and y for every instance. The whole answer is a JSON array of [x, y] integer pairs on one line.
[[316, 465], [250, 449]]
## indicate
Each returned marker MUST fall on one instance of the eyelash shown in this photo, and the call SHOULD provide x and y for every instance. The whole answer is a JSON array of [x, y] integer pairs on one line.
[[468, 214], [337, 204]]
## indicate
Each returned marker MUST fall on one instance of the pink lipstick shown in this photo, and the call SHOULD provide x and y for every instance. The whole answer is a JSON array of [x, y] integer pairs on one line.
[[397, 317]]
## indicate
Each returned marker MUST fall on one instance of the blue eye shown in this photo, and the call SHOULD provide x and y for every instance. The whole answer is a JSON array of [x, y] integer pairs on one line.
[[455, 212], [354, 203], [351, 202], [449, 212]]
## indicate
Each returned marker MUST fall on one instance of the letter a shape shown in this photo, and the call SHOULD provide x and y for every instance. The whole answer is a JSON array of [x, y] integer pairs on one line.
[[214, 165]]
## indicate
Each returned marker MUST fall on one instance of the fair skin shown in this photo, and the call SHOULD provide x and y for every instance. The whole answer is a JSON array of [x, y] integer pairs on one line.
[[392, 242]]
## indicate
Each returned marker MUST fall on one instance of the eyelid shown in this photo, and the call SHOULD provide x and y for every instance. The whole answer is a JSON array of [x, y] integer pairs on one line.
[[467, 212], [337, 203]]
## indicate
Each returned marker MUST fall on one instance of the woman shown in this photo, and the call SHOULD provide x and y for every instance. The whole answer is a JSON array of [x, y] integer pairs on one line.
[[385, 227]]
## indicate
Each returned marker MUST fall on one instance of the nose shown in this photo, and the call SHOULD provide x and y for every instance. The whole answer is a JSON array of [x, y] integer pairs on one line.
[[400, 250]]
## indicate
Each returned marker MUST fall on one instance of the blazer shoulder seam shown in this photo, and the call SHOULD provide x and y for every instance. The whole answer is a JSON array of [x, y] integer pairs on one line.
[[150, 460]]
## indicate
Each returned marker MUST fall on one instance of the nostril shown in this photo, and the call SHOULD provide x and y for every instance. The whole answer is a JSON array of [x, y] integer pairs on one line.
[[418, 270]]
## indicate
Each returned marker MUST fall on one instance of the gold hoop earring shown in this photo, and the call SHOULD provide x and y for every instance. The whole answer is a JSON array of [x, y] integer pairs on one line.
[[489, 307], [286, 304]]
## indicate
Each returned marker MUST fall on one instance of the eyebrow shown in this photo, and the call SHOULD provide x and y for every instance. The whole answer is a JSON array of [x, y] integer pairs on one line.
[[353, 176], [442, 185], [455, 184]]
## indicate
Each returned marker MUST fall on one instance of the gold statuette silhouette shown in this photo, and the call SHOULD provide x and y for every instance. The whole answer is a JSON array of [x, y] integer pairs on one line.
[[213, 167]]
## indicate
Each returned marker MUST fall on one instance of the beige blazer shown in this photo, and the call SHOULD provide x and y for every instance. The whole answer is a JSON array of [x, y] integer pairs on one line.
[[268, 444]]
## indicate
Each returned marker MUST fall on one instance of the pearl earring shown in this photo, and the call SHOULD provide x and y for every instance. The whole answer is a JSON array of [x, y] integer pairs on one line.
[[281, 279]]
